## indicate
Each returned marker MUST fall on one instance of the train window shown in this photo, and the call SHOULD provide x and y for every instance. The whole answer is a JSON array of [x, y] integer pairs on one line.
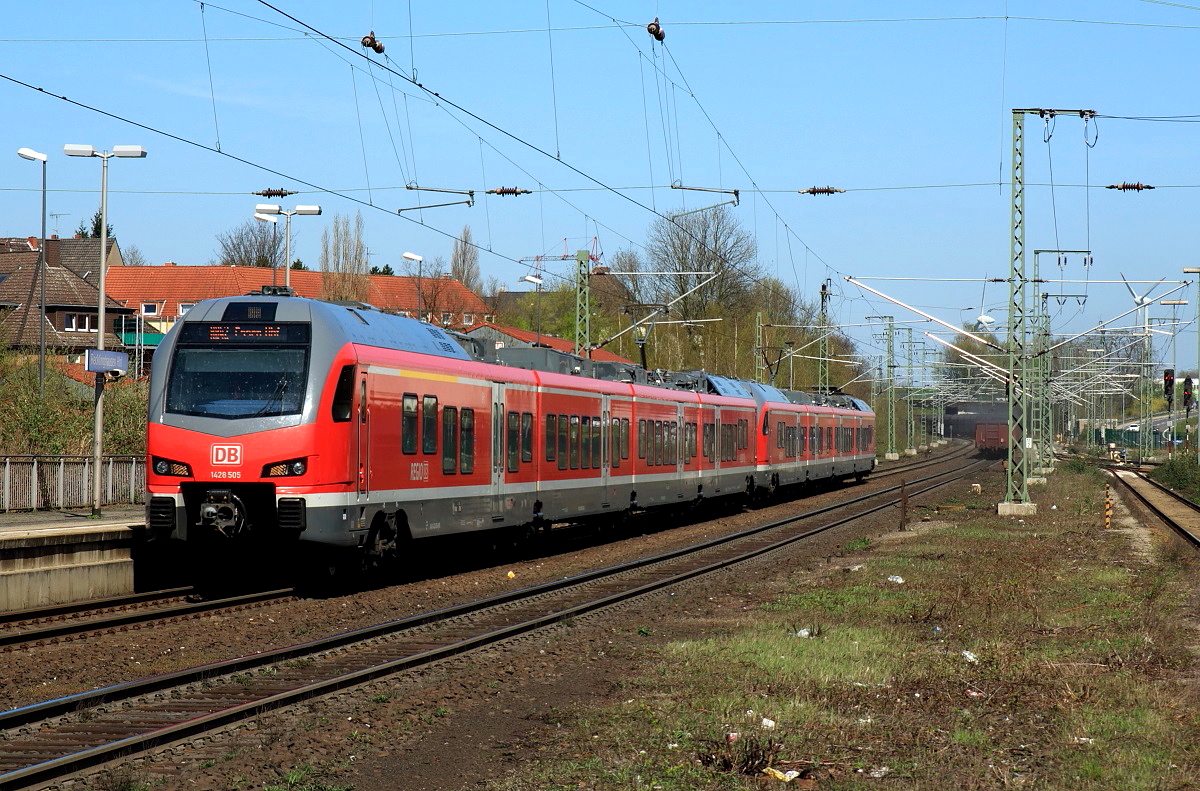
[[408, 423], [429, 412], [766, 429], [527, 436], [574, 442], [614, 440], [343, 395], [624, 438], [514, 441], [597, 442], [673, 442], [362, 403], [230, 383], [642, 444], [585, 439], [563, 439], [551, 433], [829, 437], [466, 442], [779, 434], [449, 439], [656, 453], [743, 433]]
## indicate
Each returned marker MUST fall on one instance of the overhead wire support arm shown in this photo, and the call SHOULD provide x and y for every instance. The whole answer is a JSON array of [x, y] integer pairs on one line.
[[663, 309], [737, 198], [470, 201]]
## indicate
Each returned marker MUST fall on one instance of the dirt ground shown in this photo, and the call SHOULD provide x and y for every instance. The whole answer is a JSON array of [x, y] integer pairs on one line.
[[453, 723]]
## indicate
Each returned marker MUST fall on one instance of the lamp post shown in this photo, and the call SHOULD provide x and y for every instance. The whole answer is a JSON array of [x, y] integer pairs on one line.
[[419, 260], [34, 156], [537, 282], [130, 152], [274, 208], [274, 249]]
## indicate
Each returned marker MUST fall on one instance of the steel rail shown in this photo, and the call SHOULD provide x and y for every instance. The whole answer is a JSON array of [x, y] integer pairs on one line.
[[16, 636]]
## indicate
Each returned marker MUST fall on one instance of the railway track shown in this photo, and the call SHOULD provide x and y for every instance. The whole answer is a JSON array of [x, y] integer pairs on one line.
[[56, 738], [1176, 511], [21, 629]]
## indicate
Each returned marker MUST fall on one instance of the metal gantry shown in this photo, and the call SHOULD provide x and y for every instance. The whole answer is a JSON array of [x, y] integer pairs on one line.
[[1021, 446], [888, 385]]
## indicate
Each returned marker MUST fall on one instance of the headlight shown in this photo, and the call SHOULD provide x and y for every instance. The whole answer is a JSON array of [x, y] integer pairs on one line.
[[285, 469], [163, 466]]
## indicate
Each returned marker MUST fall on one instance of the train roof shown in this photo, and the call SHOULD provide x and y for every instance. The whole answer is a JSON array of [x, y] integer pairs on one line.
[[353, 322], [361, 323]]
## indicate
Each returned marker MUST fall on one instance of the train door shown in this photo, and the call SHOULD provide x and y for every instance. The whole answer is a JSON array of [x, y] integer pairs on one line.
[[497, 497], [605, 437], [364, 439]]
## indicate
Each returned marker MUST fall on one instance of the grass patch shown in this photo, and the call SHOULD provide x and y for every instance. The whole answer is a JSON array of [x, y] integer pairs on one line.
[[1030, 653]]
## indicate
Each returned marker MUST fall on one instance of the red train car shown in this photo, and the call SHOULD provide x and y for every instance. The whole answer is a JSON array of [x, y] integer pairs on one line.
[[278, 421], [991, 439]]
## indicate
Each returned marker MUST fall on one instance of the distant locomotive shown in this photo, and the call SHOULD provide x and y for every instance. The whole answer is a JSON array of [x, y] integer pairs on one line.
[[277, 422]]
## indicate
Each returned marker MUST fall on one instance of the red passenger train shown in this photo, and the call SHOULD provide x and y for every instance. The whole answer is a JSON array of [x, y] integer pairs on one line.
[[275, 420]]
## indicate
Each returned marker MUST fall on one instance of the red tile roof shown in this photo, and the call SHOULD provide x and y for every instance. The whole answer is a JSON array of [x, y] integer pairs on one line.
[[170, 285]]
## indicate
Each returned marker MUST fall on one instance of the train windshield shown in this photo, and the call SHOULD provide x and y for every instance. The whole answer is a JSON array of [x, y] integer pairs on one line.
[[238, 382]]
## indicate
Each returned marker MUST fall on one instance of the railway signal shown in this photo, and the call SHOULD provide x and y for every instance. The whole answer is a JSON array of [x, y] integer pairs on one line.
[[1169, 384], [1187, 394]]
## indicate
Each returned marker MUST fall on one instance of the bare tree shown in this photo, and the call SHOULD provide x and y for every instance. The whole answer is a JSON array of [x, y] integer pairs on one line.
[[344, 260], [464, 261], [252, 243], [707, 241], [132, 256]]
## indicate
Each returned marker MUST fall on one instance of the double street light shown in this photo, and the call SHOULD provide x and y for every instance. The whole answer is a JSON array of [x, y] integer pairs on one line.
[[262, 211], [419, 260], [129, 152], [34, 156]]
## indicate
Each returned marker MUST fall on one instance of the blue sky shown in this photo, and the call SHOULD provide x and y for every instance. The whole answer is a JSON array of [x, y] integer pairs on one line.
[[906, 105]]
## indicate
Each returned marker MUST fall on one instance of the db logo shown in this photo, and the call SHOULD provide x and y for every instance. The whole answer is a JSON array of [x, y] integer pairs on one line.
[[226, 454]]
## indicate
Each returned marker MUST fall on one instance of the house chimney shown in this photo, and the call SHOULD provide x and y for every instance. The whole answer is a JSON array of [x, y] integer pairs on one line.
[[168, 263], [33, 243]]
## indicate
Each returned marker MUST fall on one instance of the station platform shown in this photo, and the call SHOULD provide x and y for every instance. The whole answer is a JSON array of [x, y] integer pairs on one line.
[[55, 557]]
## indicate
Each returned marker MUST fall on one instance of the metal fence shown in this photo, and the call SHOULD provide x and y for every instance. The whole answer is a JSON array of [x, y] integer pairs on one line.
[[29, 483]]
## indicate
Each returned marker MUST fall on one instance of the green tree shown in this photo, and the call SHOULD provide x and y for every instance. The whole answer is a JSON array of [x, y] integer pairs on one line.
[[92, 231]]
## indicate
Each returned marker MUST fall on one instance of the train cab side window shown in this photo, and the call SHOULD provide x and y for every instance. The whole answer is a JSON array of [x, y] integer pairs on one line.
[[779, 434], [551, 434], [449, 440], [429, 415], [526, 436], [563, 442], [743, 433], [466, 442], [624, 438], [343, 395], [514, 441], [585, 440], [408, 423]]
